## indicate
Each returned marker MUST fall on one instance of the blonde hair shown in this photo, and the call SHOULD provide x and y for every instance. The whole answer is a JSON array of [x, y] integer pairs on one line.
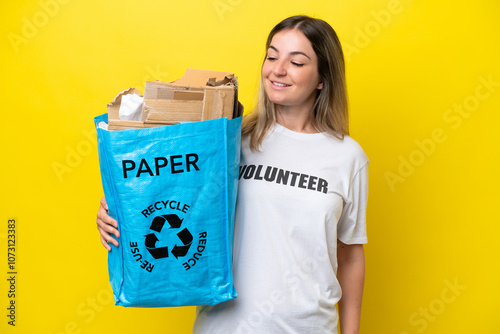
[[330, 110]]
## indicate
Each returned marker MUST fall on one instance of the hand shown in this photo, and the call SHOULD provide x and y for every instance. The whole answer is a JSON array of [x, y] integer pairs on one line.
[[106, 226]]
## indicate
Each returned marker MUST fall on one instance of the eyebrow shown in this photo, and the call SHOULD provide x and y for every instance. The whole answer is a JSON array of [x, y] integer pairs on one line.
[[291, 53]]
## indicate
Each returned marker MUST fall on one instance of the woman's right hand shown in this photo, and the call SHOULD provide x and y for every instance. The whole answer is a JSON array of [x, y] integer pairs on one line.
[[106, 226]]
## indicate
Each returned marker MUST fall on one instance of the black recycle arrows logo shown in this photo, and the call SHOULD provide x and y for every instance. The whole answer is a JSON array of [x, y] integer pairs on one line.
[[175, 223]]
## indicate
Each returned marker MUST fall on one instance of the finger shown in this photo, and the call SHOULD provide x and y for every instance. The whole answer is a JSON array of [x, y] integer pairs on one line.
[[109, 220], [108, 239], [107, 229], [103, 216], [104, 204], [113, 241], [111, 226], [112, 230], [105, 244]]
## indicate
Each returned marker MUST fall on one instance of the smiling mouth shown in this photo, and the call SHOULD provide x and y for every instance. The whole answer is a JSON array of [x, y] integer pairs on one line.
[[279, 84]]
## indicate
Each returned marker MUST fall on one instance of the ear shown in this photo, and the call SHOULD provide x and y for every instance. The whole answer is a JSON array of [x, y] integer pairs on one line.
[[320, 85]]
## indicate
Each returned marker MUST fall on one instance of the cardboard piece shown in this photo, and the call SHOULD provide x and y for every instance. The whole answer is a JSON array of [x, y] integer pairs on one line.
[[198, 96]]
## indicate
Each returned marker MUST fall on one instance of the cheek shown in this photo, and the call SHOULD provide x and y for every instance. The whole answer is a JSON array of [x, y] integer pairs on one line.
[[311, 80], [265, 70]]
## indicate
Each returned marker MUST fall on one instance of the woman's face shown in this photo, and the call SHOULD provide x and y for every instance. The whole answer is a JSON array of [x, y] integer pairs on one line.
[[290, 71]]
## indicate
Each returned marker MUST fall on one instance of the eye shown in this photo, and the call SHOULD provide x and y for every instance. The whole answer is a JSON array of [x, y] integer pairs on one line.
[[271, 58], [297, 64]]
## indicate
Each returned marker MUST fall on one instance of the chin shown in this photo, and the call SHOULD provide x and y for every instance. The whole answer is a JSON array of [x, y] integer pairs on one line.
[[276, 100]]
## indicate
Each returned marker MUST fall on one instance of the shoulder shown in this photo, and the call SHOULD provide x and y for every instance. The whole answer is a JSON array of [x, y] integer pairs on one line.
[[349, 151], [356, 151]]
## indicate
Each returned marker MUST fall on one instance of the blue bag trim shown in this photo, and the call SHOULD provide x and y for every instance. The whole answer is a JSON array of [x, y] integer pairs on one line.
[[115, 256]]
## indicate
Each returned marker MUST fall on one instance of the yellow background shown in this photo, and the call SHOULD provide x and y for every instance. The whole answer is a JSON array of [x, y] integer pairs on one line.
[[432, 216]]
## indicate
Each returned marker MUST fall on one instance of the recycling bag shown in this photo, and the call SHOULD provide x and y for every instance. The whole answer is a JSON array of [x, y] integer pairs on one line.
[[172, 190]]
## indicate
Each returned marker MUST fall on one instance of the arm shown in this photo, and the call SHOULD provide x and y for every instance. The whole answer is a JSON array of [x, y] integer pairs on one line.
[[106, 226], [351, 276]]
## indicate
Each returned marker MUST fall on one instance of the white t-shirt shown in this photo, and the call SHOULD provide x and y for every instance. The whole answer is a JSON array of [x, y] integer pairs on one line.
[[296, 197]]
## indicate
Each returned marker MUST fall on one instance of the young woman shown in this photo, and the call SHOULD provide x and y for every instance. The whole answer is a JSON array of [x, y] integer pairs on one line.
[[300, 215]]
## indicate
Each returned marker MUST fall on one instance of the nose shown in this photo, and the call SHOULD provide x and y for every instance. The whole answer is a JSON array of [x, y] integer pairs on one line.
[[279, 69]]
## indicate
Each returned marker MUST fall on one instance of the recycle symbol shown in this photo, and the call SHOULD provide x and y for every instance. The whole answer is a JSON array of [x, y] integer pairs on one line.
[[175, 223]]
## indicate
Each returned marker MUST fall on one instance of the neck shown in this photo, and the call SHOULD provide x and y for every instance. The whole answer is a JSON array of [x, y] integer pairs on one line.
[[295, 120]]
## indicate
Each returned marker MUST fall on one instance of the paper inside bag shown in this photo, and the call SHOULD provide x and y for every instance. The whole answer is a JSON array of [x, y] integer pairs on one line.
[[131, 107]]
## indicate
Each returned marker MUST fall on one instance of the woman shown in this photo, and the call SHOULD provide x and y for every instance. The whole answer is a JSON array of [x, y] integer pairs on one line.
[[300, 217]]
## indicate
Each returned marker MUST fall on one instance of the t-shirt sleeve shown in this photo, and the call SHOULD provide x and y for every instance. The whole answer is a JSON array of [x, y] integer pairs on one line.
[[351, 228]]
